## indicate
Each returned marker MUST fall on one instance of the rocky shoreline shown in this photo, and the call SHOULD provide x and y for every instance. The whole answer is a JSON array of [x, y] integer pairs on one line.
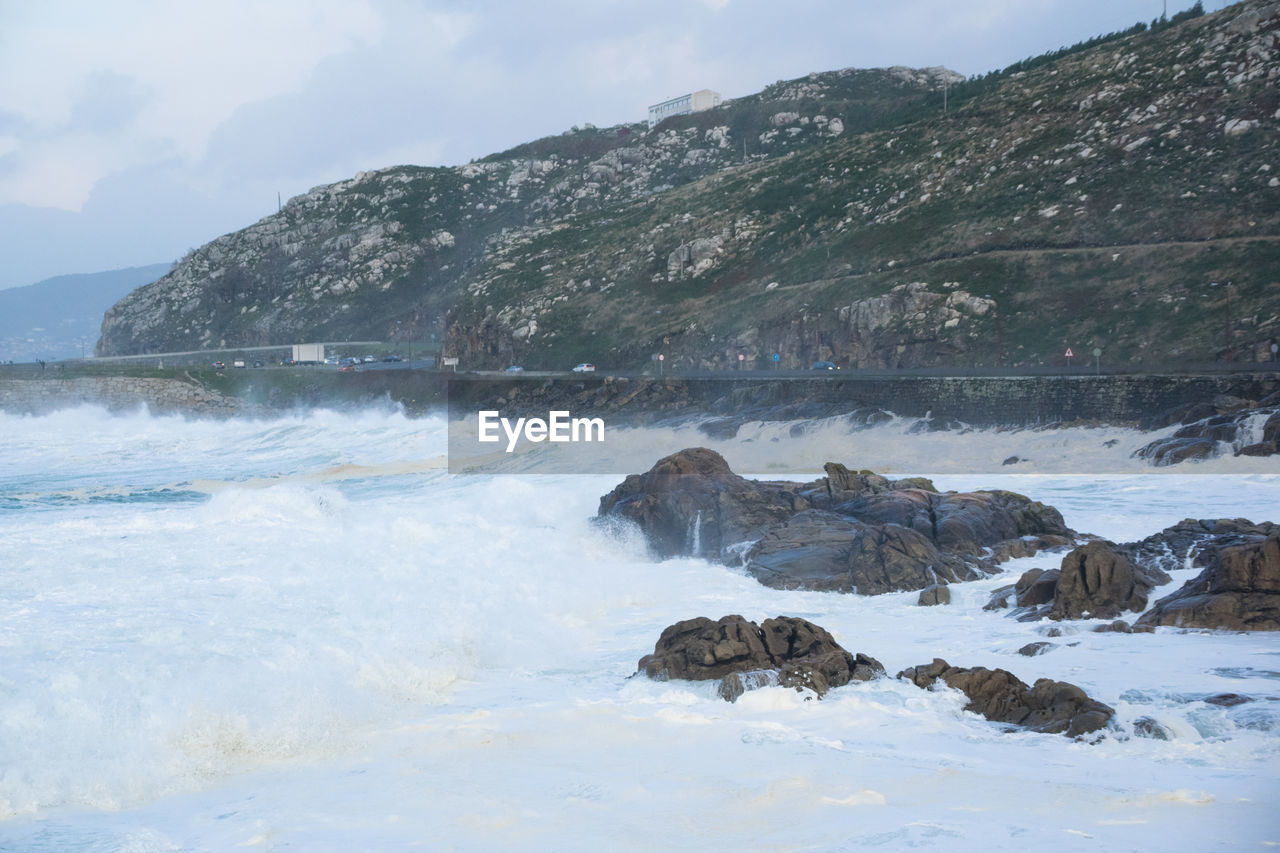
[[861, 534]]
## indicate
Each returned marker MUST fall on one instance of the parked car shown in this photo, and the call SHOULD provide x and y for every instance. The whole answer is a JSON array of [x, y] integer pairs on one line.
[[515, 368], [368, 359], [219, 365], [392, 358], [333, 359], [239, 362], [257, 364], [585, 368], [824, 365]]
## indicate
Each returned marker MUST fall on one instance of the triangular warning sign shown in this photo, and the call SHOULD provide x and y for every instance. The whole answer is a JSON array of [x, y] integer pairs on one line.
[[1070, 354]]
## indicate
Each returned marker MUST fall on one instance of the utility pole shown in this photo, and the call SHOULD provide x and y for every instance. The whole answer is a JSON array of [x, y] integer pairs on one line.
[[945, 84]]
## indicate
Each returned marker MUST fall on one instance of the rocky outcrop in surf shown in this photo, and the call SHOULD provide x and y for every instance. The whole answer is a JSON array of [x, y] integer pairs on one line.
[[851, 531], [1239, 590], [742, 655], [1226, 425], [1051, 707]]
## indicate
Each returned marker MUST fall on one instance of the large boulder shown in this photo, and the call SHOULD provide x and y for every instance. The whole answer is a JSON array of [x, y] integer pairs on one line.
[[741, 655], [691, 504], [1239, 590], [824, 551], [1053, 707], [853, 531], [1098, 581]]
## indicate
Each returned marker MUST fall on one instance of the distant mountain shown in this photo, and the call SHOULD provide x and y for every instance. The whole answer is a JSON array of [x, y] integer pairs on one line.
[[60, 317], [1120, 195]]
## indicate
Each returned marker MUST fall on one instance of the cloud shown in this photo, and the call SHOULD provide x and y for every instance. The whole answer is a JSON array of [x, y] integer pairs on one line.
[[121, 81]]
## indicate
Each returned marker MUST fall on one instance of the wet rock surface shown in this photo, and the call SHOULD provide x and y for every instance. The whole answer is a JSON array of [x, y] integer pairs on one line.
[[1226, 425], [788, 651], [821, 550], [1098, 581], [1052, 707], [1239, 590], [851, 531]]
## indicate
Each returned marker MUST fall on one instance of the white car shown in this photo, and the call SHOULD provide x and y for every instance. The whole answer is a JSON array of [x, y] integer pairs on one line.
[[585, 368]]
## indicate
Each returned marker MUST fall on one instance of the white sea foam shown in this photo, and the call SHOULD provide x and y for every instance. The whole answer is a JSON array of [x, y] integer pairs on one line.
[[301, 632]]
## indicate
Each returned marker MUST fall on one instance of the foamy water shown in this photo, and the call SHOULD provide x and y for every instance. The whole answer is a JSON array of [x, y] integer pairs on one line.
[[303, 633]]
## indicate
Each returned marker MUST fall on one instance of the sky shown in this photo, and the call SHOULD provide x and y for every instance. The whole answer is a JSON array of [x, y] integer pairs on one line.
[[134, 131]]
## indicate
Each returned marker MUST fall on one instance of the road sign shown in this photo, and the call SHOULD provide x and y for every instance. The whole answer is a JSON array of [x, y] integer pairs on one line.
[[742, 357], [1097, 351], [1070, 354], [449, 362], [776, 357], [661, 357]]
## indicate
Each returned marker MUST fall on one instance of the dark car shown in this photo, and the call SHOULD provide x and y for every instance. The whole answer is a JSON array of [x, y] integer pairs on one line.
[[257, 364], [824, 365], [219, 365], [392, 358]]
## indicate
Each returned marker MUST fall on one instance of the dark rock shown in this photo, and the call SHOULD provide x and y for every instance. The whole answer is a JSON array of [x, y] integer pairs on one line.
[[1118, 627], [862, 418], [1227, 421], [934, 595], [1170, 451], [1036, 587], [690, 503], [1027, 546], [787, 650], [843, 484], [820, 550], [1271, 429], [1239, 590], [1000, 598], [1038, 648], [934, 424], [722, 428], [1227, 700], [1053, 707], [1099, 581], [851, 531], [1147, 727], [1013, 460], [1262, 448], [1196, 540], [965, 522]]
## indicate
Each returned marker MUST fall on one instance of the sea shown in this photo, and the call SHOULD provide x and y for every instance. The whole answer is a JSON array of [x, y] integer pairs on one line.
[[304, 633]]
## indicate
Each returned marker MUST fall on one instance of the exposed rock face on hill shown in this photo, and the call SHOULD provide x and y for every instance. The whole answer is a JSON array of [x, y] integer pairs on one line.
[[1085, 201], [1053, 707], [742, 655], [851, 531], [385, 253]]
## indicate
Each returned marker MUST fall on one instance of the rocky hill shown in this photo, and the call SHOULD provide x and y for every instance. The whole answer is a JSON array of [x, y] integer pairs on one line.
[[1123, 195]]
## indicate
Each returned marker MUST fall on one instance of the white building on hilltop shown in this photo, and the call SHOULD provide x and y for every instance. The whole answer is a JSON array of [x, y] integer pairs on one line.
[[703, 99]]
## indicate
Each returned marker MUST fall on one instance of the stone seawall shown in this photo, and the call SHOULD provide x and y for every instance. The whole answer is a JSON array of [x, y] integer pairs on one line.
[[1138, 400], [1018, 401], [116, 393]]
